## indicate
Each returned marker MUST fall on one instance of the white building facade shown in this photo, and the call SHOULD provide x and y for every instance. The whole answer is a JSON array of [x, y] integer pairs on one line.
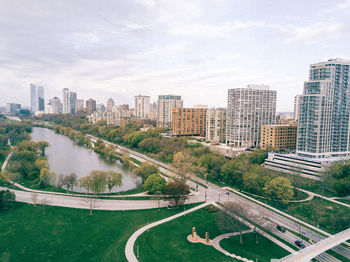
[[247, 110], [165, 105], [142, 106]]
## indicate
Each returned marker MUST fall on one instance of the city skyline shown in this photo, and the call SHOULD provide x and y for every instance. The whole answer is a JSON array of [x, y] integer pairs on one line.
[[194, 49]]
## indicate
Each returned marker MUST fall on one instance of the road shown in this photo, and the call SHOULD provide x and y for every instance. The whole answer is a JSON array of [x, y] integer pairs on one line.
[[216, 193]]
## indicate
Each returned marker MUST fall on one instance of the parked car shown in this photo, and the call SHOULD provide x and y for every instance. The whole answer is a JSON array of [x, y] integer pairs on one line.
[[280, 228], [299, 243]]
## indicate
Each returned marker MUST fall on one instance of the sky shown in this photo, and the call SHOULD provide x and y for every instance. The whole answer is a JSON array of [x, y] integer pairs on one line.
[[194, 48]]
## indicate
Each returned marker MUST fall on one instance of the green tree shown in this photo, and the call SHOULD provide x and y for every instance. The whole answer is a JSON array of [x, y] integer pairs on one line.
[[47, 177], [176, 193], [279, 189], [183, 163], [69, 181], [113, 179], [154, 183], [27, 160], [41, 163], [98, 181], [7, 199], [145, 170], [85, 182], [42, 145]]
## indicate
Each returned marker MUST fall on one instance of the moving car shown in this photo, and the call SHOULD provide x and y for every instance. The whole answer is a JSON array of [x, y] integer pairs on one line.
[[299, 243], [280, 228]]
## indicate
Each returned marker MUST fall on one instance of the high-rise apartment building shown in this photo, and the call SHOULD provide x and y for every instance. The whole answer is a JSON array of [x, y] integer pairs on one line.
[[69, 101], [278, 137], [296, 112], [216, 125], [54, 106], [189, 121], [37, 102], [323, 127], [79, 104], [90, 106], [165, 105], [110, 104], [142, 106], [248, 109]]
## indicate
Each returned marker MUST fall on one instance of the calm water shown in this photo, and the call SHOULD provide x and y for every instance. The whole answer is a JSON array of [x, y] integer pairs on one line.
[[65, 157]]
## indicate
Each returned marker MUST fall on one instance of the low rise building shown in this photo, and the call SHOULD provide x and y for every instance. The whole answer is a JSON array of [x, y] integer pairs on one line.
[[278, 137], [189, 121]]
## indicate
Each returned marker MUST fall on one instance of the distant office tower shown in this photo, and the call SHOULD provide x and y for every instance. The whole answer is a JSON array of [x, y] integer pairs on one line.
[[296, 112], [124, 107], [323, 127], [37, 98], [90, 106], [55, 106], [69, 101], [278, 137], [165, 105], [100, 107], [13, 108], [142, 106], [247, 110], [216, 125], [110, 104], [189, 121], [80, 104]]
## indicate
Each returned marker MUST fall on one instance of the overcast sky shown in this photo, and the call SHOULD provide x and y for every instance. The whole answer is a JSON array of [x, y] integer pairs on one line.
[[194, 48]]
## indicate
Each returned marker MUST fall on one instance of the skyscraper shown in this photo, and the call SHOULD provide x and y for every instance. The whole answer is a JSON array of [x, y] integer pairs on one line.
[[110, 104], [247, 110], [37, 102], [69, 101], [142, 106], [90, 106], [296, 112], [323, 127], [55, 106], [165, 105]]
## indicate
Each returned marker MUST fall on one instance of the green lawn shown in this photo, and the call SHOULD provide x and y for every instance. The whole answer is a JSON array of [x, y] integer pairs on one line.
[[264, 251], [346, 201], [66, 234], [317, 212], [168, 242]]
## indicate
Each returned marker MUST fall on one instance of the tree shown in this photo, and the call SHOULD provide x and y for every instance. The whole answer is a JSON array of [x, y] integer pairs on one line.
[[7, 199], [279, 189], [113, 179], [47, 177], [41, 163], [176, 193], [154, 183], [182, 162], [42, 145], [145, 170], [69, 181], [98, 181], [12, 176], [85, 182], [27, 160], [91, 203], [232, 218]]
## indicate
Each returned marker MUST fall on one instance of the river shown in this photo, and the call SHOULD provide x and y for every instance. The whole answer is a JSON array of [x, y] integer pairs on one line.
[[65, 157]]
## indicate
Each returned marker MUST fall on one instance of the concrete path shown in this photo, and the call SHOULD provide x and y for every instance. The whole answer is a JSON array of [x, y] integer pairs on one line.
[[129, 248], [331, 199], [216, 245]]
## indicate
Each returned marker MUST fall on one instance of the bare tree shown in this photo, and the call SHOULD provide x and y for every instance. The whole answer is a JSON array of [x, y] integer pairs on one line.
[[183, 163], [34, 199], [91, 202], [44, 202], [233, 217]]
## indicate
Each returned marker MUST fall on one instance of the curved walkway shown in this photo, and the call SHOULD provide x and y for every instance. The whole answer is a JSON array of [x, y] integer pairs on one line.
[[331, 199], [129, 248], [216, 245]]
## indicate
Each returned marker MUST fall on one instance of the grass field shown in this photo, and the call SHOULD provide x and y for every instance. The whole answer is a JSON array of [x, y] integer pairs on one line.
[[66, 234], [264, 250], [168, 242], [346, 201]]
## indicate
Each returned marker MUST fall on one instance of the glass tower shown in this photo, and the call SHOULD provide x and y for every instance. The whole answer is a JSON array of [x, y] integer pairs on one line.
[[323, 128]]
